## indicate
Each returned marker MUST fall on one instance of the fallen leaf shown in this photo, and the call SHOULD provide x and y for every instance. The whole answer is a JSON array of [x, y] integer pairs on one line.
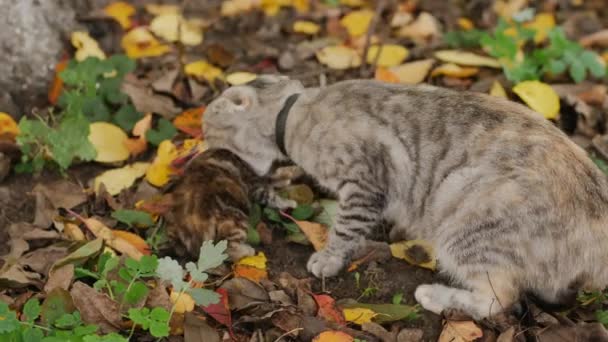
[[416, 252], [60, 277], [466, 58], [423, 29], [413, 72], [541, 24], [240, 77], [242, 292], [50, 196], [465, 24], [316, 233], [203, 70], [306, 27], [508, 8], [539, 96], [140, 244], [339, 57], [158, 173], [357, 22], [190, 121], [160, 9], [234, 7], [252, 267], [173, 27], [358, 315], [453, 70], [145, 100], [599, 38], [385, 75], [81, 255], [385, 312], [220, 311], [497, 90], [57, 303], [401, 18], [109, 142], [197, 329], [327, 309], [57, 85], [96, 308], [73, 232], [121, 12], [460, 331], [390, 55], [116, 180], [139, 43], [182, 302], [101, 231], [333, 336], [86, 46], [138, 145]]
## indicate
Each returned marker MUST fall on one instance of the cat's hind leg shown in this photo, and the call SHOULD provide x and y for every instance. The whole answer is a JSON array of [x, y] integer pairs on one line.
[[484, 298]]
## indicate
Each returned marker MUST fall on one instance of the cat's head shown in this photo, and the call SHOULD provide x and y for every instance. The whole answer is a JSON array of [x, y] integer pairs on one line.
[[242, 119]]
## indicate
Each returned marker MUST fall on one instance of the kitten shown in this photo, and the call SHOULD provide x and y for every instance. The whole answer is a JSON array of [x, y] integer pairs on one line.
[[211, 201], [509, 203]]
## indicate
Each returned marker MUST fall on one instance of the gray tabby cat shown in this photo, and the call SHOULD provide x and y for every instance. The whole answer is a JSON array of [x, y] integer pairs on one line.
[[510, 204]]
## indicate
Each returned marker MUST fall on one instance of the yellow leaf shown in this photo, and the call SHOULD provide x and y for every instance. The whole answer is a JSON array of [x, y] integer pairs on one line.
[[353, 3], [542, 24], [453, 70], [159, 172], [302, 6], [258, 261], [359, 315], [116, 180], [234, 7], [173, 28], [339, 57], [357, 22], [73, 232], [306, 27], [272, 7], [466, 58], [121, 12], [390, 55], [465, 24], [497, 90], [507, 8], [385, 75], [413, 72], [315, 232], [134, 239], [109, 142], [8, 127], [539, 96], [86, 46], [139, 42], [101, 231], [240, 77], [182, 302], [160, 9], [460, 331], [202, 69], [416, 252], [425, 27], [333, 336]]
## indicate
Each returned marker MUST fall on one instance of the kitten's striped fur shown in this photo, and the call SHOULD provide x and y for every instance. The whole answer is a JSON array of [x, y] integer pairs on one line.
[[211, 201], [508, 201]]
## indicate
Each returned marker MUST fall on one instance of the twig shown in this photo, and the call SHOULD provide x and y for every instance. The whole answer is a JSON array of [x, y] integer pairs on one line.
[[288, 333], [368, 36]]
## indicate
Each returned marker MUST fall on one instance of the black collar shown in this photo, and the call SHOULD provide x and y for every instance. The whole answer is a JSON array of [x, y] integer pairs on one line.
[[279, 129]]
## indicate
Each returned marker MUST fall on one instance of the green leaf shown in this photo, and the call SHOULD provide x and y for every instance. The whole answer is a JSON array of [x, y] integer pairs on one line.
[[32, 335], [272, 215], [557, 67], [253, 237], [330, 209], [82, 254], [110, 265], [68, 320], [165, 130], [126, 117], [133, 217], [95, 109], [122, 64], [159, 325], [602, 317], [171, 271], [136, 293], [8, 319], [397, 298], [31, 309], [204, 297], [302, 212], [463, 39], [211, 255], [118, 287], [140, 316], [148, 265], [577, 71], [590, 60], [70, 141], [56, 304]]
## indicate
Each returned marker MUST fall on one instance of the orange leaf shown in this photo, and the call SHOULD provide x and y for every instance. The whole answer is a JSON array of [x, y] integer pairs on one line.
[[57, 85], [315, 232], [333, 336], [121, 12], [133, 239], [8, 127], [139, 43], [190, 121], [252, 273], [385, 75], [138, 145], [328, 310]]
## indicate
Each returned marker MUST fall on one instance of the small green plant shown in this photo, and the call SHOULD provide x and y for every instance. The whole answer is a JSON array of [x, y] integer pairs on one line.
[[559, 55], [68, 327], [602, 317], [133, 217], [92, 93], [589, 297], [156, 320], [397, 298]]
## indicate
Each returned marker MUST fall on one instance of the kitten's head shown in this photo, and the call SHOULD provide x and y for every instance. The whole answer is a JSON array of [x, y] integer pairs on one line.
[[242, 119]]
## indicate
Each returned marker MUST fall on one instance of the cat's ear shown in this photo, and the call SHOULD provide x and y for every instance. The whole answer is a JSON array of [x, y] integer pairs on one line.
[[241, 98]]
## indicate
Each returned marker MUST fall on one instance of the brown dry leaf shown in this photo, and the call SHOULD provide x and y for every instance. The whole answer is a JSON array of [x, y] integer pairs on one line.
[[463, 331], [507, 8], [242, 292], [51, 196], [121, 245], [453, 70], [316, 233], [196, 329], [158, 297], [73, 232], [599, 38], [423, 29], [60, 278], [146, 101], [96, 308], [339, 57]]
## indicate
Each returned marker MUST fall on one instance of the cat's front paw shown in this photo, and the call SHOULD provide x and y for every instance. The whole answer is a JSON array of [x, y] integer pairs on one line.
[[284, 204], [325, 264]]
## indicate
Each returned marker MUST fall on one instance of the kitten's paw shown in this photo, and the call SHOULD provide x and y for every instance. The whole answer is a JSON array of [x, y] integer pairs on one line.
[[237, 252], [284, 204], [426, 295], [324, 264]]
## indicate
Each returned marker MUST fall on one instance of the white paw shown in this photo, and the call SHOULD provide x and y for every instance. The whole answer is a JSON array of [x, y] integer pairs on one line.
[[237, 252], [427, 297], [324, 264]]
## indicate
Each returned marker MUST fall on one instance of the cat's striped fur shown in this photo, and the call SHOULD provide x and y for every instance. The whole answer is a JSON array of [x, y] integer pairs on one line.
[[211, 201], [508, 201]]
